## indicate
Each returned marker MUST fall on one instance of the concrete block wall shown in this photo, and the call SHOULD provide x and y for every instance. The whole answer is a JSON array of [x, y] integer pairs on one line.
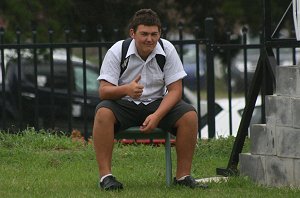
[[274, 158]]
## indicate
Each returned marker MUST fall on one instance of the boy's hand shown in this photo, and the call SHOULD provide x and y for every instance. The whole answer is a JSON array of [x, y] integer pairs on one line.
[[135, 88], [149, 124]]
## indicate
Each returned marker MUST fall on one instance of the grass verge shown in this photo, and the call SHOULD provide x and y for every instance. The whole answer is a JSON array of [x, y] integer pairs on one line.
[[39, 164]]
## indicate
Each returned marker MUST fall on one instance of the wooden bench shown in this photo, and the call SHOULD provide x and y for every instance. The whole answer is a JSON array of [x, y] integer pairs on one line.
[[135, 133]]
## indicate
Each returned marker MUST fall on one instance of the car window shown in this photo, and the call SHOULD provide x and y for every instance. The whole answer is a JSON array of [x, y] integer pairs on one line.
[[44, 74], [91, 79], [256, 115], [190, 56]]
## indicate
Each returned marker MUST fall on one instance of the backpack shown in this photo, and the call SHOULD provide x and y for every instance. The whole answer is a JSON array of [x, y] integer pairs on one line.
[[161, 60]]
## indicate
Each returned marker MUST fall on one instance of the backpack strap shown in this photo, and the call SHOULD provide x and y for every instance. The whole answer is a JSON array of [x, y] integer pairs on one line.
[[160, 59], [124, 63]]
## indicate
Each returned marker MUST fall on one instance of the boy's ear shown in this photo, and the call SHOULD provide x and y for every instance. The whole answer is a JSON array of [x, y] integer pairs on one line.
[[131, 33]]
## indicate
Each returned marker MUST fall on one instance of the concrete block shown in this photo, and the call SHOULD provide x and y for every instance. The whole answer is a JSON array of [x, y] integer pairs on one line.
[[275, 146], [296, 112], [284, 115], [279, 171], [253, 166], [270, 109], [262, 140], [297, 172], [288, 81], [288, 142]]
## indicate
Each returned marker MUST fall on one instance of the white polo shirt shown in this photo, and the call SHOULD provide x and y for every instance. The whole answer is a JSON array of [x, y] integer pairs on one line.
[[152, 78]]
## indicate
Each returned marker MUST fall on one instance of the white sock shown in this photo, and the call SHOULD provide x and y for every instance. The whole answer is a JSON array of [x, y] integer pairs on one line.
[[102, 178], [182, 178]]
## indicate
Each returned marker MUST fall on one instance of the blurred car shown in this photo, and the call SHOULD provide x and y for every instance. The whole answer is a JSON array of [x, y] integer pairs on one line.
[[285, 57], [190, 67], [50, 89], [238, 69]]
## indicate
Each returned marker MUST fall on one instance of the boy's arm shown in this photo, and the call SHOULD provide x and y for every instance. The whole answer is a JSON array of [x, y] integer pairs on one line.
[[109, 91], [169, 101]]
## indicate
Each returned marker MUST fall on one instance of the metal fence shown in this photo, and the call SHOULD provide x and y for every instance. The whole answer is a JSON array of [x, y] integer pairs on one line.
[[45, 93]]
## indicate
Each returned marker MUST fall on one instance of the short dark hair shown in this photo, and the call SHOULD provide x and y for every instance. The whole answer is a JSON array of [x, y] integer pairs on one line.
[[145, 17]]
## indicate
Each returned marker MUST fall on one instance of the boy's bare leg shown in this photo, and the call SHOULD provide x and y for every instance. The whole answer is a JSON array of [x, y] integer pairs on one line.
[[186, 138], [103, 136]]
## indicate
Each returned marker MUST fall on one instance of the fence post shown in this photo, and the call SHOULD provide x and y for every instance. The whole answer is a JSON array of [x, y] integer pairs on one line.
[[196, 32], [19, 87], [245, 31], [209, 29], [83, 31], [99, 38], [69, 79], [164, 30], [3, 79], [35, 71], [180, 29], [228, 54], [52, 118], [116, 33]]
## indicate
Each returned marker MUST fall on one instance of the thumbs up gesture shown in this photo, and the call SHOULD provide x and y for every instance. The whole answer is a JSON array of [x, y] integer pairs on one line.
[[135, 89]]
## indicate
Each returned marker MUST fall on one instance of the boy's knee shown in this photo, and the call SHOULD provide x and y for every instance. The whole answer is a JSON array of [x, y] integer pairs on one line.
[[189, 119], [104, 114]]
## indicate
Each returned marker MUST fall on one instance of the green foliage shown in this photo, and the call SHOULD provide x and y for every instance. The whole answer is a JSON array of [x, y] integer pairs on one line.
[[60, 15]]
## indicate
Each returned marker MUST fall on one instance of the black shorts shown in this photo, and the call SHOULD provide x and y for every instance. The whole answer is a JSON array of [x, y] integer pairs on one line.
[[129, 114]]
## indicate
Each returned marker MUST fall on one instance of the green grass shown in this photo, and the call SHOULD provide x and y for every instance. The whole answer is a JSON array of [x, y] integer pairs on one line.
[[39, 164]]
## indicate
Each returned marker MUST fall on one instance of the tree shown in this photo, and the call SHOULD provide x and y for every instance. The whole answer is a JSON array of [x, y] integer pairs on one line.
[[229, 15], [29, 15]]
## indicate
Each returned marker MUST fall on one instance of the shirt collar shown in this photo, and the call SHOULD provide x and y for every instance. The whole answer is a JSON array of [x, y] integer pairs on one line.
[[132, 49], [158, 49]]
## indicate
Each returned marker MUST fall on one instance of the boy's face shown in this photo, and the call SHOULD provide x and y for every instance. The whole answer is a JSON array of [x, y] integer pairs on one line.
[[146, 38]]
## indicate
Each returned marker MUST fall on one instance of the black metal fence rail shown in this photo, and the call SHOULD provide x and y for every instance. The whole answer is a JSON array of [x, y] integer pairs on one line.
[[20, 122], [51, 47]]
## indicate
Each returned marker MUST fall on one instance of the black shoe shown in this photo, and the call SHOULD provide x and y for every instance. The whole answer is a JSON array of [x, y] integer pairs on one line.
[[111, 183], [189, 181]]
